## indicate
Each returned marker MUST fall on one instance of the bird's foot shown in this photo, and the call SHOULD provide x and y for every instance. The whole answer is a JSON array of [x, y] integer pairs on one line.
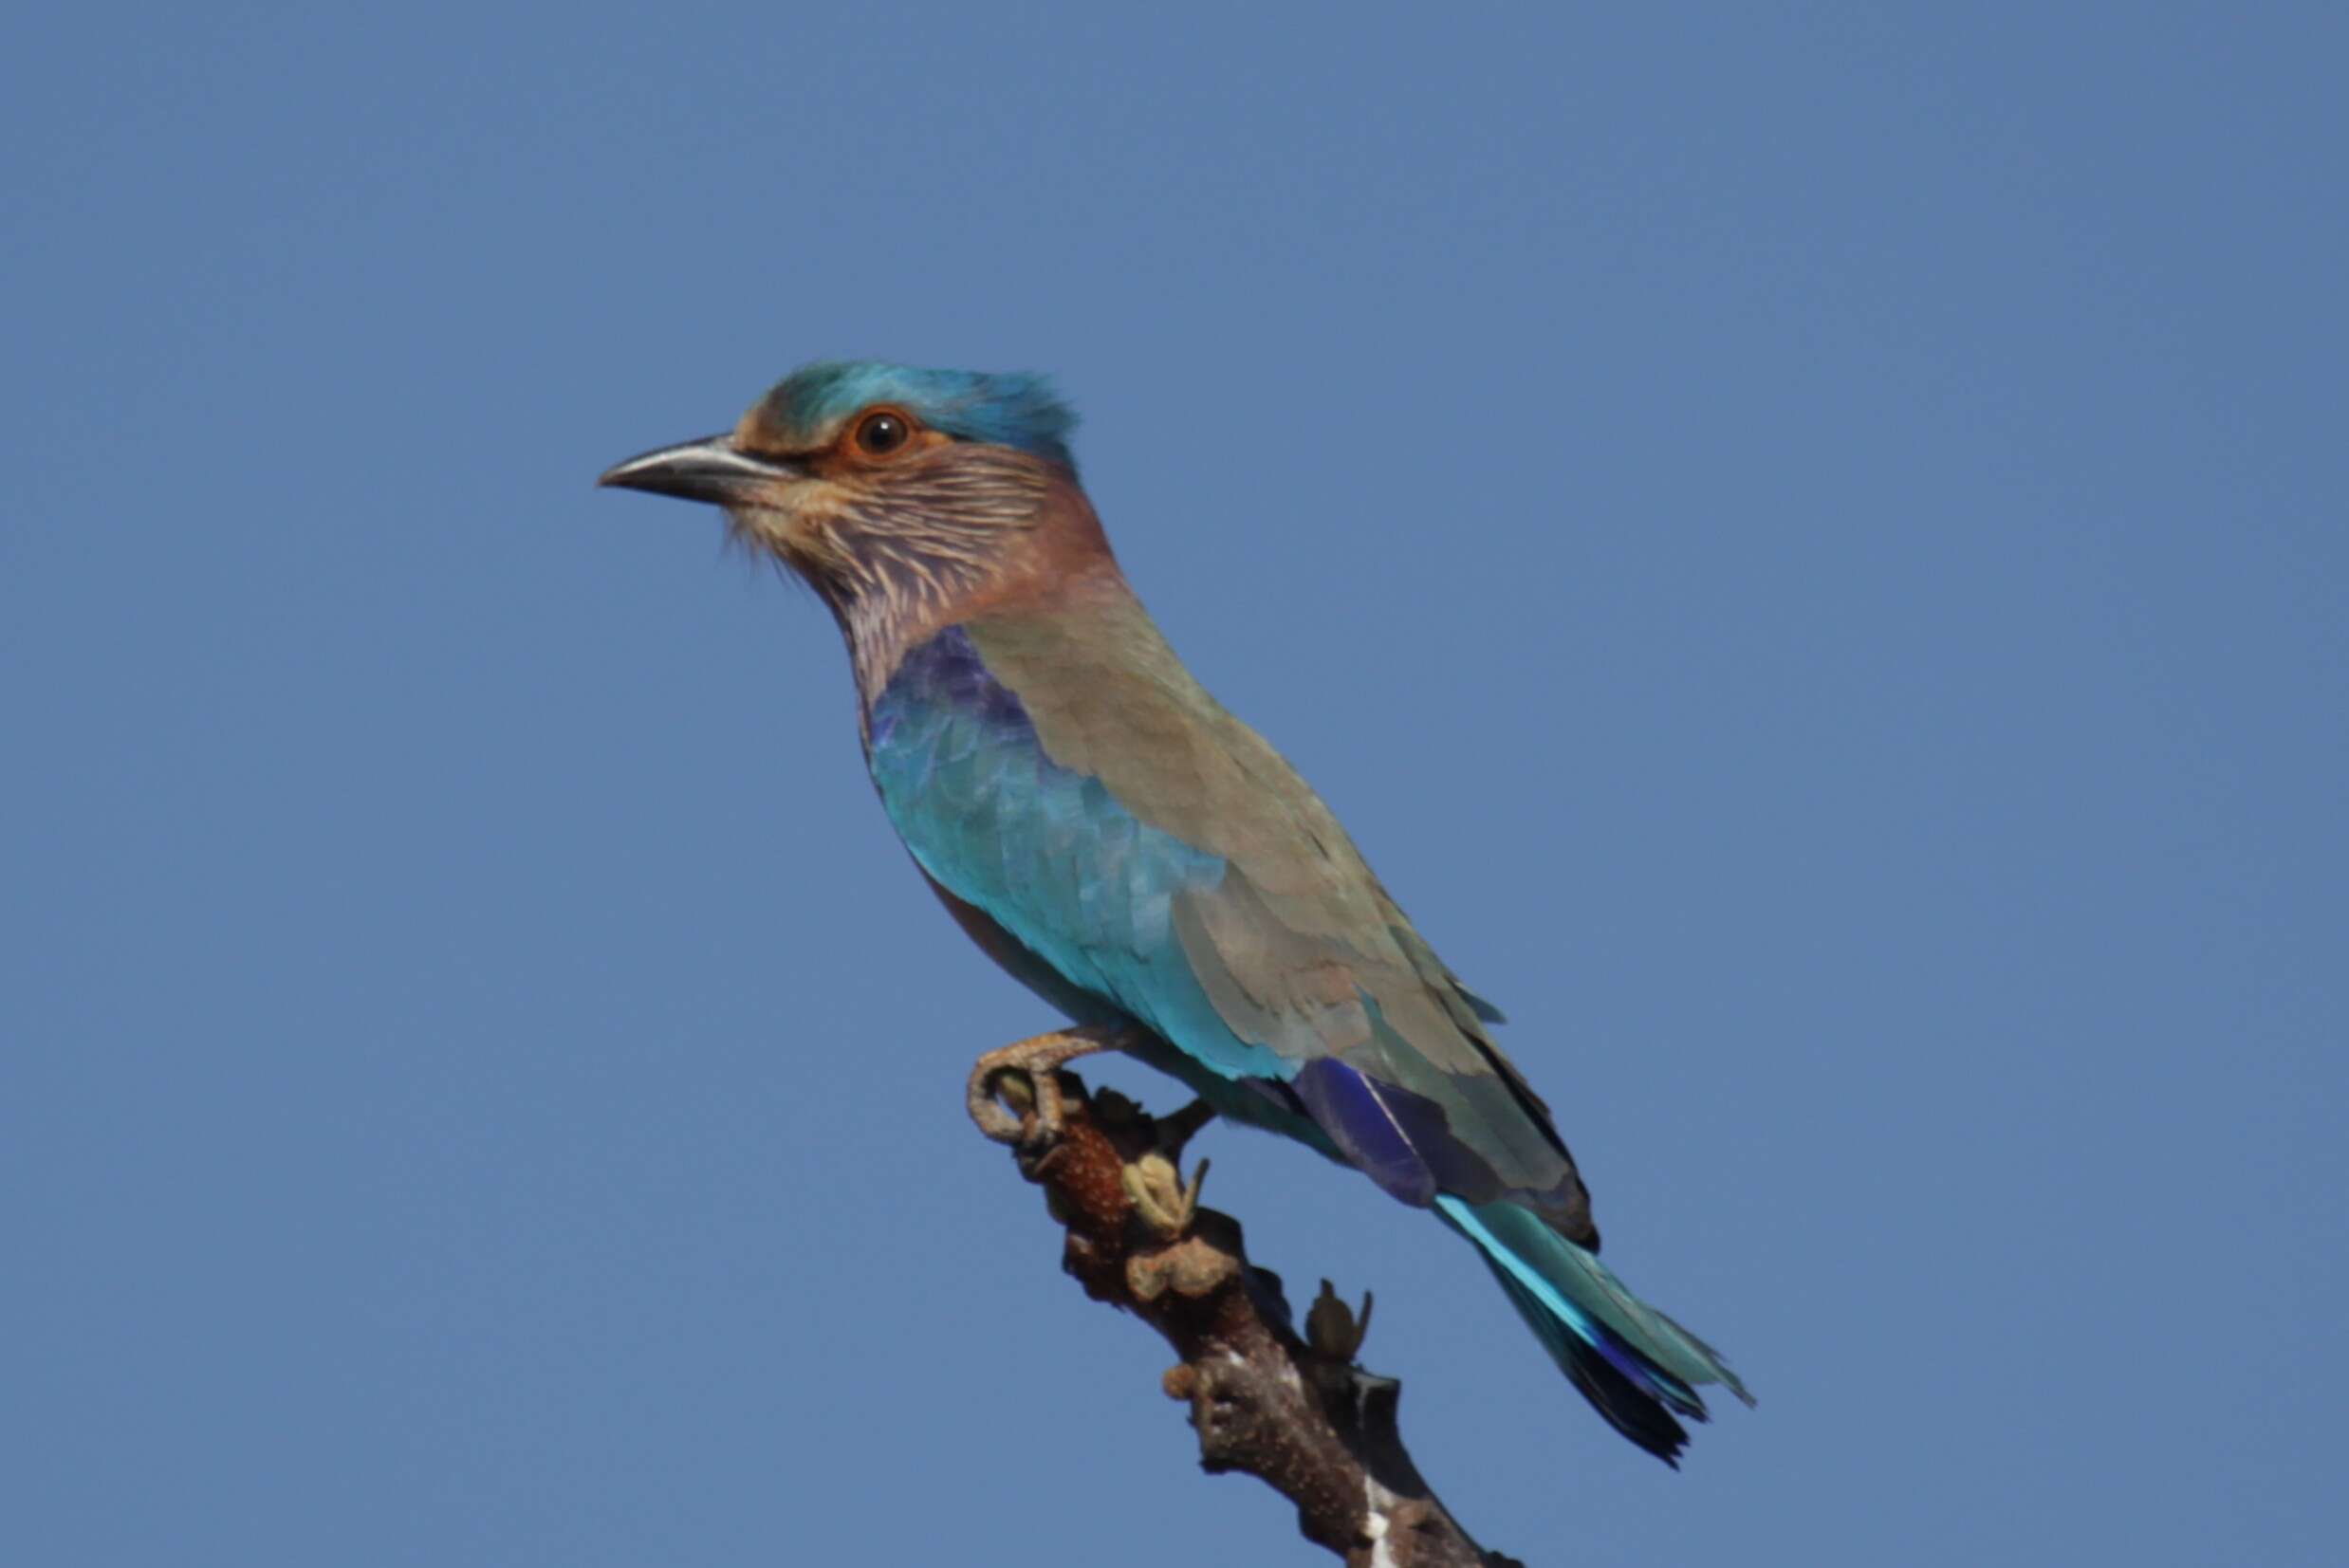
[[1165, 1202], [1014, 1094]]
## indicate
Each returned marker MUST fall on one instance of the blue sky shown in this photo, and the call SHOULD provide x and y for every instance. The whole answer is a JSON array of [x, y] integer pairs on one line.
[[1808, 549]]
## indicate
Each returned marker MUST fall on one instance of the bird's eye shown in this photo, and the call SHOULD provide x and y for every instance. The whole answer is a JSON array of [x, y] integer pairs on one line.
[[881, 432]]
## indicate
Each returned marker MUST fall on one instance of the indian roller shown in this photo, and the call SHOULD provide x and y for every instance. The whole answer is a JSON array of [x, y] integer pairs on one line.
[[1139, 857]]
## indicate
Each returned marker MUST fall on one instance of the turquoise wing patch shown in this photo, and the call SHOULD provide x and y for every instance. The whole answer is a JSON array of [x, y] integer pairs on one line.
[[1047, 853]]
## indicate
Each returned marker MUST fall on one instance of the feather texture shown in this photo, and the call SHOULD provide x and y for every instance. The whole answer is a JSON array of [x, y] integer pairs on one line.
[[1120, 835], [1116, 840]]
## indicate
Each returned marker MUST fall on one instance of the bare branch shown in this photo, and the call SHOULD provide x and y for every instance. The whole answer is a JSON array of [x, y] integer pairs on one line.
[[1295, 1411]]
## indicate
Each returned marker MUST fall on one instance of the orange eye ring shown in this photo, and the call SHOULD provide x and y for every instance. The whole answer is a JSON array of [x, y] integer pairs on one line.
[[882, 433]]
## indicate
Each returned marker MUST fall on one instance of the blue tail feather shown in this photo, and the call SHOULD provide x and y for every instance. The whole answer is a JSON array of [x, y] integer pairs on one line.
[[1636, 1366]]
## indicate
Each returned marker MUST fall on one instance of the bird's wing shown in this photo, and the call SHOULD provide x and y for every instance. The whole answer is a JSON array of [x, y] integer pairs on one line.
[[1047, 853], [1158, 853]]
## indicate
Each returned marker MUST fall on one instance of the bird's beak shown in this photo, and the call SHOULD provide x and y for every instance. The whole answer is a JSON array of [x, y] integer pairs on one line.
[[709, 469]]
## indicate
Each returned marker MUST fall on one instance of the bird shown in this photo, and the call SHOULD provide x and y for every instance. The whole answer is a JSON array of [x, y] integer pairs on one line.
[[1147, 864]]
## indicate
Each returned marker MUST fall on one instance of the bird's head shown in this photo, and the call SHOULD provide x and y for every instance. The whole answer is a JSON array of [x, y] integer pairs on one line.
[[893, 490]]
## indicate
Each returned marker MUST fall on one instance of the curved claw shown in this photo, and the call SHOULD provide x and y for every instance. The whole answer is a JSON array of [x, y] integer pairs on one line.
[[1028, 1071], [987, 1110]]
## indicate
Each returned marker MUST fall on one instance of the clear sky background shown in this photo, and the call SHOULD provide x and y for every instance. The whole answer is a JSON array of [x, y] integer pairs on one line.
[[1808, 547]]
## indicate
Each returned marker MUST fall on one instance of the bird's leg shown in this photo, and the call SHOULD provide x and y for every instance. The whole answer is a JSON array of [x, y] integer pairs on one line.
[[1025, 1074]]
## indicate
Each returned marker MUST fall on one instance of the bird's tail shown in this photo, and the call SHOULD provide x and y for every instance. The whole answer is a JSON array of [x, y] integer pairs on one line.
[[1634, 1365]]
